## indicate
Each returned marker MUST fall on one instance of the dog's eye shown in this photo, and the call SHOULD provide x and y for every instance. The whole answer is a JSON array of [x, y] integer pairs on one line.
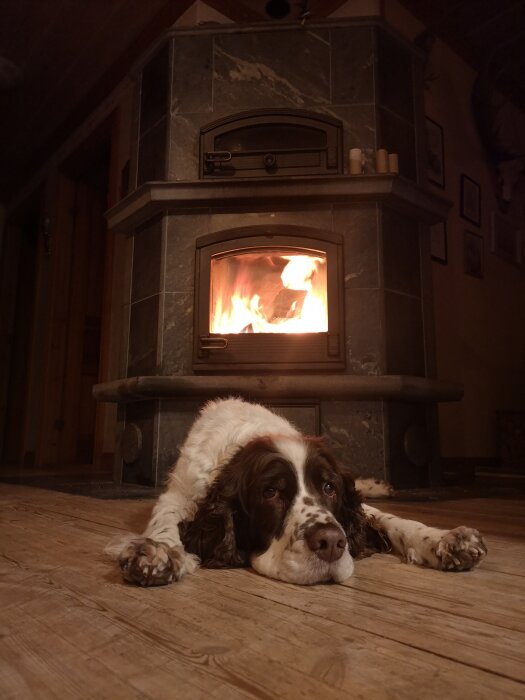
[[270, 493], [329, 489]]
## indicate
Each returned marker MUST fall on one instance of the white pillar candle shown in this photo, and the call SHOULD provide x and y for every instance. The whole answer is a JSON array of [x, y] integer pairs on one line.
[[356, 161]]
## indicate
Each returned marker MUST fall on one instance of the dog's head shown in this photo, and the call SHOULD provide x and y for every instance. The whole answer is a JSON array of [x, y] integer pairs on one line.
[[285, 506]]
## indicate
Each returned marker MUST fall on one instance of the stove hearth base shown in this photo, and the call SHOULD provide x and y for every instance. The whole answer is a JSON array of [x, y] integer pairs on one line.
[[379, 426]]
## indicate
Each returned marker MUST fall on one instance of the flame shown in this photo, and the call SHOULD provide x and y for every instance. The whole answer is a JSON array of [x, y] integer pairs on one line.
[[273, 292]]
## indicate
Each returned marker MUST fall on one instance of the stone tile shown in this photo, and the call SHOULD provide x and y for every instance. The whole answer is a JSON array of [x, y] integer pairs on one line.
[[394, 76], [183, 161], [154, 90], [408, 445], [352, 65], [192, 83], [305, 418], [311, 218], [354, 431], [152, 154], [364, 332], [404, 335], [397, 136], [142, 414], [146, 279], [143, 338], [358, 223], [359, 130], [177, 333], [176, 419], [400, 238], [271, 69], [182, 232]]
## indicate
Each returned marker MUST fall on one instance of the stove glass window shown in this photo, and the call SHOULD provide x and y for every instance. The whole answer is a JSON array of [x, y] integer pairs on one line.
[[269, 291]]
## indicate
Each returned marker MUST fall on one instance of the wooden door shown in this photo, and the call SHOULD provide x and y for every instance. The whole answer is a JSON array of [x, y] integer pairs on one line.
[[68, 425], [17, 311]]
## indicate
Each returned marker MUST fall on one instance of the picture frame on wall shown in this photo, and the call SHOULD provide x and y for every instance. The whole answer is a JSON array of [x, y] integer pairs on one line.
[[473, 262], [505, 239], [470, 200], [435, 153], [438, 242]]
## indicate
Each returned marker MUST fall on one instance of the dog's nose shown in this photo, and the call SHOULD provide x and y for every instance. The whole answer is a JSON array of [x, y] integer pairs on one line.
[[327, 541]]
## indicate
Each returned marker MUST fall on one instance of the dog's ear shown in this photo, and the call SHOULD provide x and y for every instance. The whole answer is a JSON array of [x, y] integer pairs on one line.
[[215, 534], [364, 538], [352, 516]]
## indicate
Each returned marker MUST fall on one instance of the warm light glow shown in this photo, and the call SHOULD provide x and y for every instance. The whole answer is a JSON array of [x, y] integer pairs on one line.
[[268, 292]]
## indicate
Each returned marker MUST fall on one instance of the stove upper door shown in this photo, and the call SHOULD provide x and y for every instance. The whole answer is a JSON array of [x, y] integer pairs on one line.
[[272, 143]]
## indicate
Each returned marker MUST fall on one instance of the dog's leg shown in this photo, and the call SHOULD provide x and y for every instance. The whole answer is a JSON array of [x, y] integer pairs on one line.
[[157, 557], [452, 550]]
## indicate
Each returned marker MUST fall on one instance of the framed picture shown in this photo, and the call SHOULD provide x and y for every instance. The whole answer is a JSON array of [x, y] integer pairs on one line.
[[505, 240], [435, 153], [473, 254], [438, 242], [470, 200]]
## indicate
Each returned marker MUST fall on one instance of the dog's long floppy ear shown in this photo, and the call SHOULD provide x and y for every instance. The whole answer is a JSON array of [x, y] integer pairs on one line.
[[364, 537], [214, 533]]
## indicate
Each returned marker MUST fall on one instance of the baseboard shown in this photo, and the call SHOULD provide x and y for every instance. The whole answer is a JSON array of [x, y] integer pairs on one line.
[[461, 470]]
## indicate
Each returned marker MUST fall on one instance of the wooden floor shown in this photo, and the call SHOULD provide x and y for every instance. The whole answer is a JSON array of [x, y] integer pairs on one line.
[[69, 627]]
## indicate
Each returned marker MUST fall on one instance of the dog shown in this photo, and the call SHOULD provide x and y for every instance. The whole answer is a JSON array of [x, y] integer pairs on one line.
[[249, 489]]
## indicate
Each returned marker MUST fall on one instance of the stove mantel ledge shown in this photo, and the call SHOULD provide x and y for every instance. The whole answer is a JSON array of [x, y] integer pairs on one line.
[[336, 387], [181, 196]]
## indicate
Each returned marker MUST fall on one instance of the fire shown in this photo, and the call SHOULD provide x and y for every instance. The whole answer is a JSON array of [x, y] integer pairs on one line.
[[270, 292]]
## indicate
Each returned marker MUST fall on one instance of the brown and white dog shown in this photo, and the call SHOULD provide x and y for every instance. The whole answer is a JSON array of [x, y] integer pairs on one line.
[[249, 489]]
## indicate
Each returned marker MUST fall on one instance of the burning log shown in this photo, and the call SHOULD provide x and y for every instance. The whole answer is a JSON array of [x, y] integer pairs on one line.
[[287, 304]]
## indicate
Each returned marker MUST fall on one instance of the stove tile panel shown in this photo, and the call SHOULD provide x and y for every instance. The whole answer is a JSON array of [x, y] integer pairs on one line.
[[142, 414], [177, 333], [397, 136], [400, 237], [354, 430], [312, 218], [146, 279], [183, 163], [352, 54], [175, 421], [404, 335], [271, 69], [364, 346], [192, 84], [395, 89], [359, 128], [152, 154], [358, 224], [182, 232], [143, 337]]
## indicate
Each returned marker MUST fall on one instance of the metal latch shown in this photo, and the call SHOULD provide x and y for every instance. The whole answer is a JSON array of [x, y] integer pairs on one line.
[[213, 343], [214, 158]]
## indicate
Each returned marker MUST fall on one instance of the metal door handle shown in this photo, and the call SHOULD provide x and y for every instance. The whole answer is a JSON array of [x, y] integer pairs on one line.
[[213, 343]]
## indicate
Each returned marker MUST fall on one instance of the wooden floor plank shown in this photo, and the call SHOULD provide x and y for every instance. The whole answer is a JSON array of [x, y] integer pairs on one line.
[[70, 627]]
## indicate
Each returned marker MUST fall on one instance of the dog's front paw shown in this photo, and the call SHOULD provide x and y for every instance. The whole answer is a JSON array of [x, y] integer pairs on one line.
[[149, 563], [460, 549]]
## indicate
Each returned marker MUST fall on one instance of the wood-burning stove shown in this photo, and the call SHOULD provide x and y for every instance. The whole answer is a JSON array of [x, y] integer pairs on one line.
[[269, 298]]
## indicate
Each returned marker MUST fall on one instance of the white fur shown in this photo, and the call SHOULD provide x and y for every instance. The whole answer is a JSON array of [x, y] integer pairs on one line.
[[222, 428]]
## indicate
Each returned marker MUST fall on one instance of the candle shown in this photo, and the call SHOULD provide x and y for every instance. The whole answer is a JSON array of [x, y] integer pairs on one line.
[[393, 163], [381, 160], [356, 161]]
